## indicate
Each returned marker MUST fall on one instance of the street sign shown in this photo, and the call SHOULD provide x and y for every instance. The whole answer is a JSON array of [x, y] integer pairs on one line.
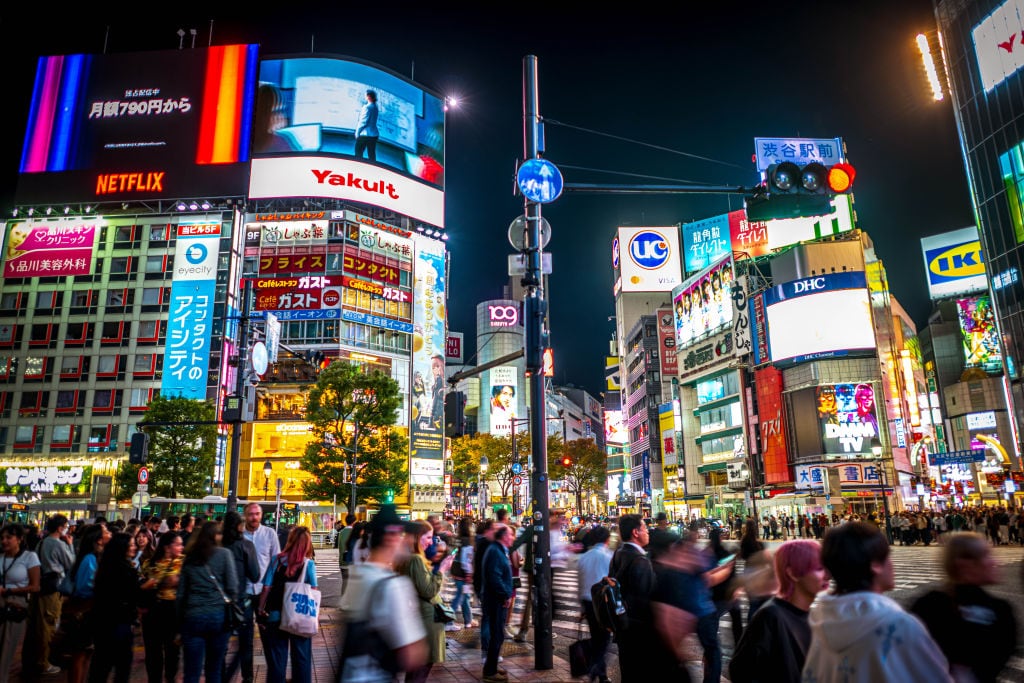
[[517, 468], [140, 499], [142, 487], [143, 475], [517, 480], [539, 180]]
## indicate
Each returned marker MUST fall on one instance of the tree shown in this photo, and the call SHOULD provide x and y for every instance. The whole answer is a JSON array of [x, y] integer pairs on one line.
[[182, 445], [466, 452], [350, 412], [586, 471]]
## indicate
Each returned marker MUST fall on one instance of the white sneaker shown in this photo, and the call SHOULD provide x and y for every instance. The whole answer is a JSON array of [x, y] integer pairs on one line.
[[451, 626]]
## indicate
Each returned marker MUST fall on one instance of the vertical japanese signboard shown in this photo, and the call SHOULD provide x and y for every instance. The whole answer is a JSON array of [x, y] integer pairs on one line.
[[772, 423], [187, 352], [667, 343], [428, 352]]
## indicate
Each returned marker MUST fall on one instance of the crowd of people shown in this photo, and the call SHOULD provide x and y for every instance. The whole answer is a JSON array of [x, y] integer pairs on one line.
[[77, 598]]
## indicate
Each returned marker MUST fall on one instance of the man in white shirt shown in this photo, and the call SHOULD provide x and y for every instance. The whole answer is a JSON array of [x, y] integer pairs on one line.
[[267, 546], [393, 614], [592, 567]]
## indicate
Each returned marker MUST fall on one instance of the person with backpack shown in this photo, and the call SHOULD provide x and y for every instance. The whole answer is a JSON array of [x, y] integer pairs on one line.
[[344, 546], [632, 569], [384, 635], [592, 567], [462, 573]]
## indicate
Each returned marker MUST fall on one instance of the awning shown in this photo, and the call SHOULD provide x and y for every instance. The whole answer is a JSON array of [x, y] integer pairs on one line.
[[728, 431], [713, 467]]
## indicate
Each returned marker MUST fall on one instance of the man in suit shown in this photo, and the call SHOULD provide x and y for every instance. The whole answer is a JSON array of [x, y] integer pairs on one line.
[[632, 568]]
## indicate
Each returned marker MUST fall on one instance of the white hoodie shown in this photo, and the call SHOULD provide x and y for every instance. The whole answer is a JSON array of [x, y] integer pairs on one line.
[[866, 637]]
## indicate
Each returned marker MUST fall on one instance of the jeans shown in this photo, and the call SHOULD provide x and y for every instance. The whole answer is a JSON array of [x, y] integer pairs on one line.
[[158, 635], [707, 633], [598, 642], [276, 645], [113, 653], [462, 598], [495, 613], [205, 643], [243, 656]]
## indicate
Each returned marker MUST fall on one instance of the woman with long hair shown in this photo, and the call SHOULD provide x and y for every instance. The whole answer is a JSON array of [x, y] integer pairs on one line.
[[207, 576], [116, 588], [159, 623], [294, 563], [462, 572], [427, 578], [145, 546], [774, 646], [247, 567], [19, 578], [76, 627]]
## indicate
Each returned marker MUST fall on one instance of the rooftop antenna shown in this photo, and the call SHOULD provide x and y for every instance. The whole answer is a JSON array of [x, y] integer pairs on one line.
[[193, 32], [412, 71], [106, 39], [181, 38], [312, 43], [209, 42]]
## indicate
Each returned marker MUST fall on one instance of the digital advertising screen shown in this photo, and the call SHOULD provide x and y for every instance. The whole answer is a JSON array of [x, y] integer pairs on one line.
[[649, 259], [426, 434], [954, 263], [706, 241], [979, 334], [139, 126], [848, 417], [615, 431], [503, 399], [703, 304], [825, 316], [316, 104]]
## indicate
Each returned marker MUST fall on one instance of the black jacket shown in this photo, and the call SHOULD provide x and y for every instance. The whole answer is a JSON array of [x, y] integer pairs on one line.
[[247, 565], [774, 645], [633, 570]]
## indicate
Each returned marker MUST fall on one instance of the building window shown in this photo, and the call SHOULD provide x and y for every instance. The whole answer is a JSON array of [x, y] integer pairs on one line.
[[8, 333], [149, 330], [112, 331], [11, 301], [7, 366], [35, 368], [100, 438], [67, 401], [71, 367], [124, 234], [158, 233], [106, 366], [151, 296], [62, 435], [103, 400], [40, 335], [31, 402], [118, 265], [155, 263], [25, 437], [140, 400], [145, 364], [46, 299], [81, 298], [76, 334]]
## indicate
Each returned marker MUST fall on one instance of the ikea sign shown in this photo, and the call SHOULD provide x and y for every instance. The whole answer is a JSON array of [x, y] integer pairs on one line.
[[954, 263]]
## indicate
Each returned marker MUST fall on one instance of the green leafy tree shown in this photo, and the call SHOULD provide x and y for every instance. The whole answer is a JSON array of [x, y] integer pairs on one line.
[[586, 471], [466, 452], [351, 412], [182, 446]]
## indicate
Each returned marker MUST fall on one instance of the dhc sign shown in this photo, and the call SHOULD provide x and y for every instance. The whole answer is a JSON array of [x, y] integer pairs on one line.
[[815, 284]]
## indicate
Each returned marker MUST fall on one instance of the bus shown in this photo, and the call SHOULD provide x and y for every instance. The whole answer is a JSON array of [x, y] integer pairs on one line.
[[213, 507], [15, 513]]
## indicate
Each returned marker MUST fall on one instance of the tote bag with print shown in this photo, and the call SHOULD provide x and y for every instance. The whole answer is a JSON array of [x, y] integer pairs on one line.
[[300, 609]]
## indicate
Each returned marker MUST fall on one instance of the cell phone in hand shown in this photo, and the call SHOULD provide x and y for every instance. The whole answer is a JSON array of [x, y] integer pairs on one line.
[[727, 559]]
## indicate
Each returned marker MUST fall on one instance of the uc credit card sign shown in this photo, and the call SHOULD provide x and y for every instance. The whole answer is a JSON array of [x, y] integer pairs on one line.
[[954, 263], [649, 259], [187, 350]]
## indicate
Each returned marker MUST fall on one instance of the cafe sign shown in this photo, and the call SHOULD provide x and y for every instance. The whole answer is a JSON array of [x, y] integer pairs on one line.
[[46, 479]]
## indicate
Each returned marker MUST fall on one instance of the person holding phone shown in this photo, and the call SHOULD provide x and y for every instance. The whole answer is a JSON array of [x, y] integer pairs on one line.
[[723, 594]]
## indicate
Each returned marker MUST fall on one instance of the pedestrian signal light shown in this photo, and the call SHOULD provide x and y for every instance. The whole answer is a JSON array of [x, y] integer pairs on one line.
[[389, 496]]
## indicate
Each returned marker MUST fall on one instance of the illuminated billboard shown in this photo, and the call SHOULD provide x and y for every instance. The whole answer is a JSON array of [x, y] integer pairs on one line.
[[706, 241], [615, 430], [994, 43], [139, 126], [979, 334], [667, 343], [503, 399], [702, 305], [825, 316], [649, 259], [772, 424], [954, 263], [848, 418], [314, 105], [48, 248], [428, 350]]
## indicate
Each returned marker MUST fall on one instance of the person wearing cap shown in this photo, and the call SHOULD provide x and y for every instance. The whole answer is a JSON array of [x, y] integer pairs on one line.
[[395, 613]]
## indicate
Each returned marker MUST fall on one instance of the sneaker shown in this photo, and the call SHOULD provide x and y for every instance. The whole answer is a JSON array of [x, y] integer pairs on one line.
[[495, 678], [519, 637], [51, 670], [509, 633], [452, 626]]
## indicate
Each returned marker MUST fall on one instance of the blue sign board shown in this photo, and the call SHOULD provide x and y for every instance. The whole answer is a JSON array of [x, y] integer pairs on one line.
[[957, 457], [815, 285], [800, 151], [316, 314], [705, 242], [377, 321], [539, 180], [516, 468]]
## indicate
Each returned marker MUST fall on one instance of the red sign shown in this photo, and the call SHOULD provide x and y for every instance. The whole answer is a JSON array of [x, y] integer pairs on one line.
[[453, 347], [305, 293], [748, 237], [375, 271], [772, 423], [667, 343], [272, 264], [331, 298]]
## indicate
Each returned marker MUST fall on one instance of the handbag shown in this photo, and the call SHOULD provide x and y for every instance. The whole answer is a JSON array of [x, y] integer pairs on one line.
[[234, 612], [579, 655], [443, 614], [300, 608]]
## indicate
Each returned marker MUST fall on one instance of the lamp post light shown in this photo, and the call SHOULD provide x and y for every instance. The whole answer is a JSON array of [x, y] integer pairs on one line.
[[876, 450], [268, 469], [482, 486]]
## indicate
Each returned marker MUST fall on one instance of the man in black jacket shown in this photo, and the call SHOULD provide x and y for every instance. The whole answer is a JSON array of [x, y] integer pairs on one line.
[[632, 569], [484, 538], [496, 599]]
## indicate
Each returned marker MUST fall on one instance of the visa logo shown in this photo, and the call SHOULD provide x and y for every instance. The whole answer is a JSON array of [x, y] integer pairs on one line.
[[955, 262]]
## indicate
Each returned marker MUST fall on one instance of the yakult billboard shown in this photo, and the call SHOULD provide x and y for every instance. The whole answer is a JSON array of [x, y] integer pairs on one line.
[[649, 259]]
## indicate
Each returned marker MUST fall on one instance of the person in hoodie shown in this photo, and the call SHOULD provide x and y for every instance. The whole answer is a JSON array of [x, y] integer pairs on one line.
[[859, 635]]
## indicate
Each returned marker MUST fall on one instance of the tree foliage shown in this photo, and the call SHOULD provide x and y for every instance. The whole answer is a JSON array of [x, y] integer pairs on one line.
[[351, 412], [466, 452], [587, 469], [182, 447]]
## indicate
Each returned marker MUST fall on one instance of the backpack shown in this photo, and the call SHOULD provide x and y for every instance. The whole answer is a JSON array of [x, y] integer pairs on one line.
[[609, 608], [457, 570], [364, 653]]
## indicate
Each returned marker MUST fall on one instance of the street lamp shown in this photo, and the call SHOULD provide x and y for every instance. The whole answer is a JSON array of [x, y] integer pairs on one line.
[[876, 450], [268, 469], [482, 486]]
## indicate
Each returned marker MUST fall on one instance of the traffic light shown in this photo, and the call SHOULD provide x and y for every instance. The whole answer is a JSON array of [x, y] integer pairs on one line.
[[566, 461], [389, 496], [792, 191], [139, 449], [318, 359]]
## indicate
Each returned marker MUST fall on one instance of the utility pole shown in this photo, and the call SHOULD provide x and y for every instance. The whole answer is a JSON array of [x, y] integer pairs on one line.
[[534, 306], [236, 429]]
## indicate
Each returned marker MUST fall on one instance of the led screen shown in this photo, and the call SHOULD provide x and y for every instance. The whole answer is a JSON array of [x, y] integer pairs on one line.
[[139, 126], [819, 317], [979, 335], [313, 104], [701, 305], [848, 419], [615, 431]]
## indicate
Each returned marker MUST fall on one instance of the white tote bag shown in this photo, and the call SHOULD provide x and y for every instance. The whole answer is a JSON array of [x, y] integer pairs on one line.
[[300, 610]]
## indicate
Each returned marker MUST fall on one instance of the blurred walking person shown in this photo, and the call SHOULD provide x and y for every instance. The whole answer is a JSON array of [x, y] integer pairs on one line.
[[116, 591], [294, 563], [247, 569], [974, 629], [160, 621], [859, 635], [497, 595], [207, 574], [427, 578], [19, 579], [593, 566], [56, 560]]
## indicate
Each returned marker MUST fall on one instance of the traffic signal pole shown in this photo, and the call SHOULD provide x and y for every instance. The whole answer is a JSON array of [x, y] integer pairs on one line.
[[236, 428], [534, 306]]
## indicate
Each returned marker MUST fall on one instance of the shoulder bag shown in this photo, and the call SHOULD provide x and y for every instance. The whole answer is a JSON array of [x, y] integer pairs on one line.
[[234, 613], [300, 608]]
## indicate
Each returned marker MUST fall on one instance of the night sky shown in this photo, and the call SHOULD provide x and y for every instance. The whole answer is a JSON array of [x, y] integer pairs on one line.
[[629, 97]]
